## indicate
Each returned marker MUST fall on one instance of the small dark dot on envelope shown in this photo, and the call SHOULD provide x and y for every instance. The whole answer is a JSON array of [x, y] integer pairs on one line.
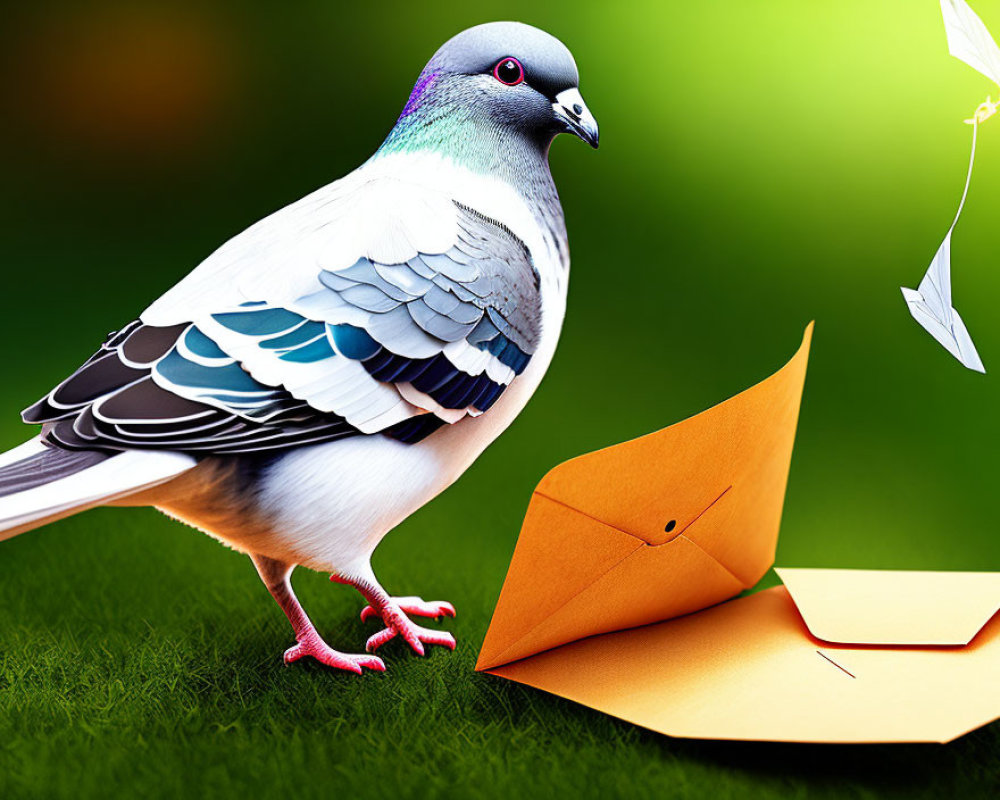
[[670, 525]]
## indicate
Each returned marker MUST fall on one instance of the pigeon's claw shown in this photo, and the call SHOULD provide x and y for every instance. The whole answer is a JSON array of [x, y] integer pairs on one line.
[[393, 611], [415, 606], [325, 654], [398, 624]]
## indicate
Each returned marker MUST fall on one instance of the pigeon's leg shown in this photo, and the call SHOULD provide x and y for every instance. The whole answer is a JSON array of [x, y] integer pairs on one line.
[[277, 578], [393, 611]]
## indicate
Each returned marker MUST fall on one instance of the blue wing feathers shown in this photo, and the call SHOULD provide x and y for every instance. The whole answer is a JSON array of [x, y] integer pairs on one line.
[[305, 332], [353, 342], [438, 371], [489, 396], [301, 341], [260, 321], [231, 377], [199, 344], [316, 350], [391, 368]]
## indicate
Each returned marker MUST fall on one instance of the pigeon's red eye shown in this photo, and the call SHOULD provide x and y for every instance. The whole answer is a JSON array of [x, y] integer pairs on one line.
[[509, 71]]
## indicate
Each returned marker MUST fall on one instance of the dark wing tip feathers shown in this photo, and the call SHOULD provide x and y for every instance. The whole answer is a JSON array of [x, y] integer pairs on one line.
[[112, 403]]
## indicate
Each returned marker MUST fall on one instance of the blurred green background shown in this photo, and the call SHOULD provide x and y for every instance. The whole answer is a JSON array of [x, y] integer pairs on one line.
[[762, 164]]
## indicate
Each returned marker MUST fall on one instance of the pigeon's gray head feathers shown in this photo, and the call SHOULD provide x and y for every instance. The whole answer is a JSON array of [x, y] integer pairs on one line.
[[494, 93], [549, 67]]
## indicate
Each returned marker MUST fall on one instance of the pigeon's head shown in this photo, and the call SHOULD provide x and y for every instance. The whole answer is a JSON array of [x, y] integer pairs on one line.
[[502, 81]]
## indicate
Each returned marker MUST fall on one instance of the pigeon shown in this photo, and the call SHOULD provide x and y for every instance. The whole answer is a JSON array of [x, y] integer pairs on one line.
[[335, 366]]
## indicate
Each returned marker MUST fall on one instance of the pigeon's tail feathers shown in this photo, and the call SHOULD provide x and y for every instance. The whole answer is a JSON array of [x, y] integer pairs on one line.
[[29, 448], [40, 484], [33, 464]]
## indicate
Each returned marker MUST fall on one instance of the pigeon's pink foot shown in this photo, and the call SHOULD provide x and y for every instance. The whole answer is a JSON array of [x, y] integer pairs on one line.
[[276, 576], [398, 624], [393, 612], [415, 606], [316, 648]]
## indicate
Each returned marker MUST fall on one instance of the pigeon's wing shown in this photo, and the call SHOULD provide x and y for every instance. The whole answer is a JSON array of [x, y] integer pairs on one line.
[[305, 343], [969, 40], [378, 342], [117, 401], [930, 305]]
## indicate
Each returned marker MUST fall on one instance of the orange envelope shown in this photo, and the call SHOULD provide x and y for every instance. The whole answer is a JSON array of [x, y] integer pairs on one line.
[[653, 528], [620, 547]]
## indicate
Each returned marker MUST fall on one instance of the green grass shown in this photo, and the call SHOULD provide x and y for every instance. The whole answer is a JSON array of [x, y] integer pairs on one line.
[[142, 658]]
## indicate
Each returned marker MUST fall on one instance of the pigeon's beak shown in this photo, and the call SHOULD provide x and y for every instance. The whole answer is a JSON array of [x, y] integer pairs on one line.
[[570, 109]]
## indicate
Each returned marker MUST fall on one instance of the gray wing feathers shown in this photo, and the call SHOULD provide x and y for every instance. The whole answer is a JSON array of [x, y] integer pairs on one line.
[[486, 275]]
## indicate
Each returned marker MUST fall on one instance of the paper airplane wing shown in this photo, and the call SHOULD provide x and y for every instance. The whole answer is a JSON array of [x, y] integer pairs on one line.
[[653, 528], [930, 305], [969, 40]]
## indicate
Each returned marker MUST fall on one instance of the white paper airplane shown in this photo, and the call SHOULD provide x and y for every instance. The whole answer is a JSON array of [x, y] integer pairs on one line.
[[930, 303], [968, 39], [931, 306]]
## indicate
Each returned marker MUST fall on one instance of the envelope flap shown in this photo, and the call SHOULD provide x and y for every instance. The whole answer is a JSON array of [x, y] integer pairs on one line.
[[893, 607], [732, 458]]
